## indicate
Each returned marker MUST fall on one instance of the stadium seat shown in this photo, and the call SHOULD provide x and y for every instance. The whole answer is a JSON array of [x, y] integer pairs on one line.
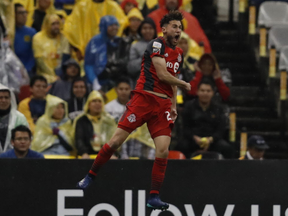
[[283, 60], [176, 155], [59, 157], [278, 36], [24, 92], [273, 13]]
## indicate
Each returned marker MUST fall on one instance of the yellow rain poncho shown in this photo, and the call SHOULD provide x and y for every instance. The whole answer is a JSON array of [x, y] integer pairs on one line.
[[83, 23], [48, 51], [7, 14], [43, 135], [142, 135], [134, 12], [104, 125]]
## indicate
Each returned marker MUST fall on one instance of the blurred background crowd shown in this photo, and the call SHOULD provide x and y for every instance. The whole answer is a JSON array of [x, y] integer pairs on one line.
[[67, 69]]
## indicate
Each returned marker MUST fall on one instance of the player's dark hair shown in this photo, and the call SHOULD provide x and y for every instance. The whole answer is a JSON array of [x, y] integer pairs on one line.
[[21, 128], [172, 15], [207, 81], [123, 79], [16, 6], [37, 77]]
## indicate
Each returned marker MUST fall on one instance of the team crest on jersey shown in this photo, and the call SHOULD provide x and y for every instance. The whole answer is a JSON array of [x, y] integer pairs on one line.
[[156, 50], [157, 45], [166, 55], [131, 118], [179, 58]]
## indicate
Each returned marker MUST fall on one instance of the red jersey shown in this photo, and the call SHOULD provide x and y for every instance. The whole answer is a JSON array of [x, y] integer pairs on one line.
[[148, 79]]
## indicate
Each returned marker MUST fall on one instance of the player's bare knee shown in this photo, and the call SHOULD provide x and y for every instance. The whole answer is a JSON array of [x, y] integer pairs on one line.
[[163, 152]]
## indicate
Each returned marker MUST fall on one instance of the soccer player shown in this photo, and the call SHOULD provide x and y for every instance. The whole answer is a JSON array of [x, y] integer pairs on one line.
[[154, 102]]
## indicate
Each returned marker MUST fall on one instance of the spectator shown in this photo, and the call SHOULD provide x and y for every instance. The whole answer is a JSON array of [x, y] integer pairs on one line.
[[94, 127], [62, 87], [23, 39], [39, 14], [79, 95], [139, 144], [204, 124], [51, 48], [33, 107], [256, 148], [128, 5], [12, 72], [103, 60], [191, 53], [83, 23], [190, 23], [21, 141], [9, 117], [147, 31], [117, 107], [207, 67], [135, 18], [53, 130]]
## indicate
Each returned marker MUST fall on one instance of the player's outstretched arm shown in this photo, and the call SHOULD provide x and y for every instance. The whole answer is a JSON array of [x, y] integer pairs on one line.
[[164, 76]]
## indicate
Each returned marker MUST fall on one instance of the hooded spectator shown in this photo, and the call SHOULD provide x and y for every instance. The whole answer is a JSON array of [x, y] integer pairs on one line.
[[79, 95], [147, 31], [62, 88], [128, 5], [9, 117], [51, 48], [23, 39], [53, 130], [190, 23], [94, 127], [135, 18], [33, 107], [208, 68], [104, 60], [83, 23]]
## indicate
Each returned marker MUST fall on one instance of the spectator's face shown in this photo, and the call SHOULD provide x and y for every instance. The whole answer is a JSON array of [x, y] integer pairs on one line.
[[95, 107], [72, 71], [134, 24], [173, 32], [44, 4], [21, 16], [39, 89], [59, 112], [205, 93], [21, 142], [123, 91], [55, 28], [5, 100], [207, 67], [128, 7], [79, 89], [172, 4], [112, 30], [183, 44], [257, 154], [147, 32]]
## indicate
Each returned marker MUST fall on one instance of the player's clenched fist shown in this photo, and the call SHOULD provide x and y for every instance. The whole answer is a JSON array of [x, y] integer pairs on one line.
[[187, 87]]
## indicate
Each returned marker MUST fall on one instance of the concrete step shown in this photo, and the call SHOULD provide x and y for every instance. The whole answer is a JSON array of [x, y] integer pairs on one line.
[[252, 112], [258, 124]]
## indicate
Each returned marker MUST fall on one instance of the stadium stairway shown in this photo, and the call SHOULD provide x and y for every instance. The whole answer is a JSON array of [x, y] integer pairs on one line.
[[256, 114]]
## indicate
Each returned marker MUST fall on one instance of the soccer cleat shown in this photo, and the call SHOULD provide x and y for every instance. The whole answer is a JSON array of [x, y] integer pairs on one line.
[[84, 183], [155, 202]]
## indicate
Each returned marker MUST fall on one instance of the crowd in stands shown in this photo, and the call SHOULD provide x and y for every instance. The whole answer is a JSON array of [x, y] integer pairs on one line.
[[82, 59]]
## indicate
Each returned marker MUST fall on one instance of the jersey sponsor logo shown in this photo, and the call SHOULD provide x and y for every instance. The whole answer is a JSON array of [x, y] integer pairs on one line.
[[179, 58], [157, 45], [131, 118], [174, 66]]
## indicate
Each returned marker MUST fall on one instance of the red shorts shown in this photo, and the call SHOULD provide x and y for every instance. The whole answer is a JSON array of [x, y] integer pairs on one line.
[[146, 107]]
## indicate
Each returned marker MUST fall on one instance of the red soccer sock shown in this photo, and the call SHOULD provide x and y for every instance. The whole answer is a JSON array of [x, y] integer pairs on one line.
[[103, 156], [158, 174]]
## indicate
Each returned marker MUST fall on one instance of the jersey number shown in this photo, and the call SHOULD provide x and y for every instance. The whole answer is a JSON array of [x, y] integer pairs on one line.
[[168, 116]]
